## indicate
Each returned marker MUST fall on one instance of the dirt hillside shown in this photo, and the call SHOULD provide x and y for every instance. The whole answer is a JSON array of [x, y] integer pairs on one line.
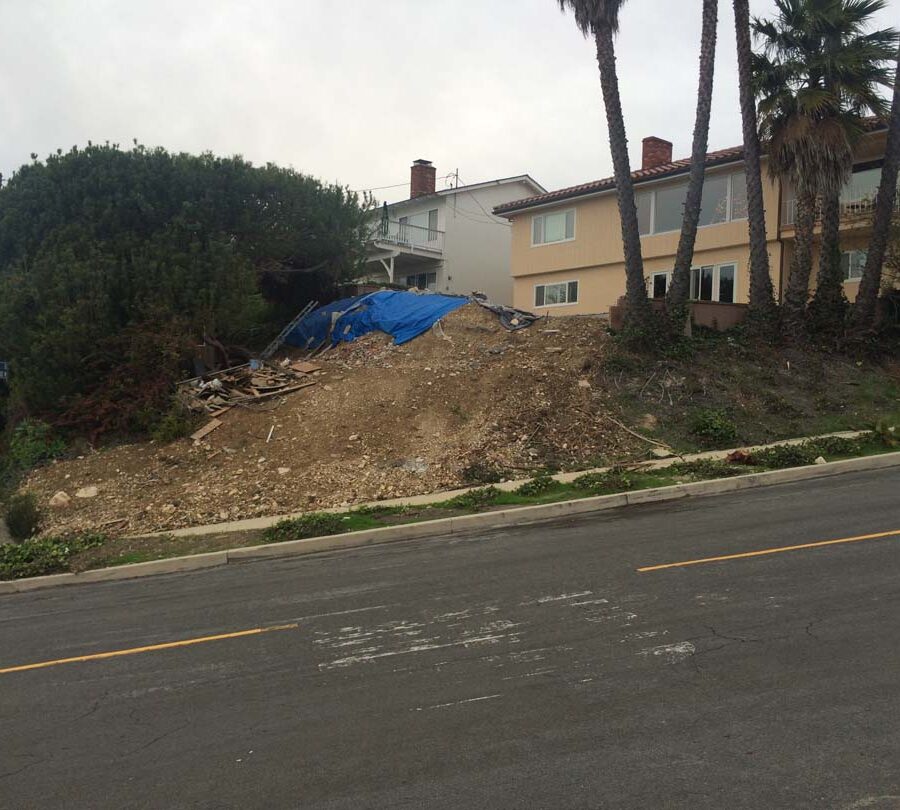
[[383, 421]]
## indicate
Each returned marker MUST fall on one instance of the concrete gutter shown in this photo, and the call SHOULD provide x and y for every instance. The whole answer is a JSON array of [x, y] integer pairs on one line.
[[446, 527]]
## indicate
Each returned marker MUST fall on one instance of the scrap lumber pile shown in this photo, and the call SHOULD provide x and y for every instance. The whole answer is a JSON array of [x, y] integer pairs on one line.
[[220, 391]]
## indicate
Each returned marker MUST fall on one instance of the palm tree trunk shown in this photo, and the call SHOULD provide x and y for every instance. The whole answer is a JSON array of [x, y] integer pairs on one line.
[[762, 301], [870, 283], [829, 304], [681, 277], [796, 296], [638, 306]]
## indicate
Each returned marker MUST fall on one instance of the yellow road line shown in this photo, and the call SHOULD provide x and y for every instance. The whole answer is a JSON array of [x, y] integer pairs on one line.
[[150, 648], [765, 551]]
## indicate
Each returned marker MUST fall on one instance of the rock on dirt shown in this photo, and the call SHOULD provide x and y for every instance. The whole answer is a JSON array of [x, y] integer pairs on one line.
[[60, 500]]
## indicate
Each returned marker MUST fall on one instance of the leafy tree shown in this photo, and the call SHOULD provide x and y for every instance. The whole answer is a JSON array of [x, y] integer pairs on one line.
[[600, 19], [113, 263]]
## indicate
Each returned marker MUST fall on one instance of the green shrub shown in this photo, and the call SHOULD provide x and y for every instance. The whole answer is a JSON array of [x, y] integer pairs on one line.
[[23, 517], [703, 469], [713, 426], [32, 442], [176, 424], [315, 524], [538, 485], [605, 483], [786, 455], [887, 433], [835, 446], [48, 555], [475, 499]]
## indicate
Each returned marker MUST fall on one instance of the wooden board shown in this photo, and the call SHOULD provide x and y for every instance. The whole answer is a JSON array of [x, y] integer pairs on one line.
[[208, 428], [305, 367]]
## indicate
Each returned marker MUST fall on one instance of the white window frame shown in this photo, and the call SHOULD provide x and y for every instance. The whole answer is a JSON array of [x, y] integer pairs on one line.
[[653, 275], [427, 282], [564, 212], [854, 280], [716, 268], [652, 193], [556, 284]]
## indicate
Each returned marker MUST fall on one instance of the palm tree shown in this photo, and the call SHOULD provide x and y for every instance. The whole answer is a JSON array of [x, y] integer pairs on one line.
[[681, 276], [600, 18], [869, 284], [832, 70], [762, 302], [801, 148]]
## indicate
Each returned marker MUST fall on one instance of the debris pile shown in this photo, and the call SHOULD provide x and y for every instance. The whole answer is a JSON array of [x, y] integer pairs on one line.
[[218, 392], [466, 402]]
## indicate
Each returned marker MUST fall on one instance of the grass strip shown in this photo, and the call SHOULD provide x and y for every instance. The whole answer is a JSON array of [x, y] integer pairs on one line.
[[40, 556]]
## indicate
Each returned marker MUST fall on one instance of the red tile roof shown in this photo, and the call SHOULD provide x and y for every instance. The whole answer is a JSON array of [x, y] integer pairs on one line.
[[642, 175], [676, 167]]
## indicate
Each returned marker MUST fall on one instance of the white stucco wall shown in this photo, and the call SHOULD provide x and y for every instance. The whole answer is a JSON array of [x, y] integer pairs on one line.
[[476, 244]]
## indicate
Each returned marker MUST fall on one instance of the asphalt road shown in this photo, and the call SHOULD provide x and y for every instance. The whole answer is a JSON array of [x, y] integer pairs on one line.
[[518, 669]]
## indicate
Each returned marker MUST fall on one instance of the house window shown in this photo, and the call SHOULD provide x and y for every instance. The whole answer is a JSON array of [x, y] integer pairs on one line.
[[714, 205], [863, 185], [669, 208], [552, 295], [432, 224], [738, 196], [556, 227], [423, 281], [644, 203], [853, 262], [659, 284], [714, 283], [662, 210]]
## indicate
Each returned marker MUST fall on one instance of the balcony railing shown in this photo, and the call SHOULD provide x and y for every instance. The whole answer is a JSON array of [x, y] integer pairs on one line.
[[402, 234], [853, 206]]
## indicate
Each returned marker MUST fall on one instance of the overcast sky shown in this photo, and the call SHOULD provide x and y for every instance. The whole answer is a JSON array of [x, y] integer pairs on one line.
[[353, 91]]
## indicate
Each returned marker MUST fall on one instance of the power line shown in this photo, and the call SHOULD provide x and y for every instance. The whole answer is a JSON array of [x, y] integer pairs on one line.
[[396, 185]]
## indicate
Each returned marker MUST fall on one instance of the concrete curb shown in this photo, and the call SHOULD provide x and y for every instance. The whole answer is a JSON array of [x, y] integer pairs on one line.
[[443, 527]]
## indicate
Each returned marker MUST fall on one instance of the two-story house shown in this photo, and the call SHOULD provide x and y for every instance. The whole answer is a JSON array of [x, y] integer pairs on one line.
[[567, 246], [447, 240]]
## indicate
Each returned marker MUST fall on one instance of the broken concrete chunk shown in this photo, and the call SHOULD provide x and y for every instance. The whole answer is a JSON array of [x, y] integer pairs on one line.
[[60, 500]]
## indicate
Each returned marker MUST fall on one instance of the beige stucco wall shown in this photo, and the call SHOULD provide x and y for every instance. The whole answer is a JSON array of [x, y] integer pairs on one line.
[[594, 257], [853, 241]]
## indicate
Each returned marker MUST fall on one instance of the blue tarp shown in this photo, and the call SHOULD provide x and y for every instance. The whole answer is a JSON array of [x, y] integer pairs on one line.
[[404, 315]]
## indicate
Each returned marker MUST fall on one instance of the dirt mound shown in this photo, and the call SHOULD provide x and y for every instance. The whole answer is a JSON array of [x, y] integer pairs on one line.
[[458, 403]]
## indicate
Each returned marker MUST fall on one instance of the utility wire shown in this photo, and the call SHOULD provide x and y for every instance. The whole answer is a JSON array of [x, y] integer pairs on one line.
[[395, 185]]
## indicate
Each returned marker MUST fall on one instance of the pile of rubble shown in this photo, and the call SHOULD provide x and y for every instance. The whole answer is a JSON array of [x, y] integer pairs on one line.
[[218, 392], [467, 399]]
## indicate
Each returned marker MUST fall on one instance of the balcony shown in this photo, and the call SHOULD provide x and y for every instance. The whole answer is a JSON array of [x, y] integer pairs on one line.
[[856, 207], [406, 237]]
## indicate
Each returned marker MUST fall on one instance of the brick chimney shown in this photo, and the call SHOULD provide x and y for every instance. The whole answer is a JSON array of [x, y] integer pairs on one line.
[[657, 152], [421, 178]]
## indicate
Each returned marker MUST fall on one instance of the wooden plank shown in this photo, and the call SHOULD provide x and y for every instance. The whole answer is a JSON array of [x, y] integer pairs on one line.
[[305, 367], [208, 428]]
